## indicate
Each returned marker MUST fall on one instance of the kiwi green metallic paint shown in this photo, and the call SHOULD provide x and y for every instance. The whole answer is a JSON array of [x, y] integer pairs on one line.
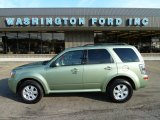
[[101, 68]]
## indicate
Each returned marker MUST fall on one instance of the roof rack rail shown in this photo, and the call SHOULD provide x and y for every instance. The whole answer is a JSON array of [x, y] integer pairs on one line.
[[98, 44], [88, 45]]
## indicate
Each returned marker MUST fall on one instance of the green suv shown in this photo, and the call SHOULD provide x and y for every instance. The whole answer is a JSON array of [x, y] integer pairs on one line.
[[114, 69]]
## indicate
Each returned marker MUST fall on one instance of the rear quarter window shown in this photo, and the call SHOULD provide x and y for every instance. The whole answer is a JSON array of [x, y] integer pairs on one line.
[[126, 54]]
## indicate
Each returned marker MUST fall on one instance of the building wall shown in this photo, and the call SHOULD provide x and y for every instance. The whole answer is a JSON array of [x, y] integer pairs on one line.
[[153, 16], [73, 39], [132, 30]]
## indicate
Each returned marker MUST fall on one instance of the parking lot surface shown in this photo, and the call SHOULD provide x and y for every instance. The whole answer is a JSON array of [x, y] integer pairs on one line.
[[144, 105]]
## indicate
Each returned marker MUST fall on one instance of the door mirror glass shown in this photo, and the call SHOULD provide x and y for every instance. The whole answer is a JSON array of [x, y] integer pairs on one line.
[[53, 64], [57, 64]]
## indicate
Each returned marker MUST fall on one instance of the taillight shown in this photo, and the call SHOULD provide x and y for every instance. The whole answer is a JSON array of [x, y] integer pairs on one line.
[[142, 69], [145, 78]]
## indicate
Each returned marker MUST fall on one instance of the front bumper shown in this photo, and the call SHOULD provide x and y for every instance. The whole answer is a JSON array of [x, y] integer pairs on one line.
[[12, 85]]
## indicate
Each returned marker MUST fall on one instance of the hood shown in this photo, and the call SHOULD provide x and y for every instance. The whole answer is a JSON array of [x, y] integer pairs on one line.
[[32, 65]]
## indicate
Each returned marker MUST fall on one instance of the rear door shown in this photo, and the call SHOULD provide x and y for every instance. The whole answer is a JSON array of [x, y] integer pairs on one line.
[[99, 67]]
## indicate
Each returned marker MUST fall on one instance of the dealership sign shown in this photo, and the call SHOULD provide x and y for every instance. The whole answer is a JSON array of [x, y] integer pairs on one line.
[[75, 21]]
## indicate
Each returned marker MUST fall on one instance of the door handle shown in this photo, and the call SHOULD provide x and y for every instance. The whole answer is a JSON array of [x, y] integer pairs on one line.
[[74, 71], [108, 68]]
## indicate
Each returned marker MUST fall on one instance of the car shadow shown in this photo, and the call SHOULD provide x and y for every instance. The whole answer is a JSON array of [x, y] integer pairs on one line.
[[5, 92], [91, 95]]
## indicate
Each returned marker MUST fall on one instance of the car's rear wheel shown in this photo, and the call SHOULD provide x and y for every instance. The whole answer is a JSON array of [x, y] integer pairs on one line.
[[30, 92], [120, 91]]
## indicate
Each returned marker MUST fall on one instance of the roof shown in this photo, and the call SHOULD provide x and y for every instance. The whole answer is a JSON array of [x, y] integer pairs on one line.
[[99, 46], [80, 11]]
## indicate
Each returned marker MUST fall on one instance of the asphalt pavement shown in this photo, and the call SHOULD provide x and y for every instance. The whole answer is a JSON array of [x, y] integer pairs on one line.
[[144, 105]]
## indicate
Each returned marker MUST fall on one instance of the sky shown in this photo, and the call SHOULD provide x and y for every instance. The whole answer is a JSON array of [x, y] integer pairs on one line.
[[80, 3]]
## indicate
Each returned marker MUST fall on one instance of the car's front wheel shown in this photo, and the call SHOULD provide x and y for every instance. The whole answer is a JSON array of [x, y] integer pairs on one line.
[[120, 91], [30, 92]]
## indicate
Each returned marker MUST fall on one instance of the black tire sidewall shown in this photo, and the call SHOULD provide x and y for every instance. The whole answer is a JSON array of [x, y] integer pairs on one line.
[[36, 85], [118, 82]]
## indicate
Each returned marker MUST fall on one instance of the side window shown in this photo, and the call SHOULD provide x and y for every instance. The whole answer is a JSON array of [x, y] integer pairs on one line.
[[99, 56], [126, 54], [70, 58]]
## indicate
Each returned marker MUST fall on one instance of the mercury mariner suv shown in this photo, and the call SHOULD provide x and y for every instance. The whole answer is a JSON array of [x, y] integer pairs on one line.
[[115, 69]]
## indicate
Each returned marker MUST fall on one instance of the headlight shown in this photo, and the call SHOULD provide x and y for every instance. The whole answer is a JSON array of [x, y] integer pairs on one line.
[[13, 73]]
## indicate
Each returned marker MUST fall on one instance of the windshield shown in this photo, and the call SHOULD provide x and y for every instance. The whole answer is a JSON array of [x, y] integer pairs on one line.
[[47, 61], [52, 58]]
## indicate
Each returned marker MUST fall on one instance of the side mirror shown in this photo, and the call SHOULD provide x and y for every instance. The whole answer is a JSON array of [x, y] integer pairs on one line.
[[54, 64]]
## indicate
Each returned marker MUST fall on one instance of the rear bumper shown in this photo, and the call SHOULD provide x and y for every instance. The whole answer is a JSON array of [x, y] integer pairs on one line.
[[144, 81]]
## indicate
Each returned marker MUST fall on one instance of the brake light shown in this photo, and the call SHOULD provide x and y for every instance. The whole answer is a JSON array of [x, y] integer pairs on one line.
[[142, 69], [145, 78]]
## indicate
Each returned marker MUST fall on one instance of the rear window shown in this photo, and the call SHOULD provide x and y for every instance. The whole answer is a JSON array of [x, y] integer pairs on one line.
[[126, 54]]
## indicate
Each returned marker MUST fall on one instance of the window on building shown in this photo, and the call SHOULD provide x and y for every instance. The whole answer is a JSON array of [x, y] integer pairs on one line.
[[11, 43], [144, 41], [31, 43], [2, 45]]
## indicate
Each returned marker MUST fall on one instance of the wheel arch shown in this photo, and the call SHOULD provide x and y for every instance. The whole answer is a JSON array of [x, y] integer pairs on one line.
[[128, 79], [25, 79]]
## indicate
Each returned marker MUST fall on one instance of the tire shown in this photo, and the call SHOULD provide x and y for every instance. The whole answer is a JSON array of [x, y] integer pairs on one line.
[[120, 91], [30, 91]]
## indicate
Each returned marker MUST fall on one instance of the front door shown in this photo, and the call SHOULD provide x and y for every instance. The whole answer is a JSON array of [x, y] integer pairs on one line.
[[67, 75]]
